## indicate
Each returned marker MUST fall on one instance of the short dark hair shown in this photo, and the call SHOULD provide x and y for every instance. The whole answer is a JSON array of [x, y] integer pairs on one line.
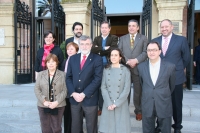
[[170, 22], [53, 57], [74, 45], [77, 23], [106, 22], [133, 20], [154, 42], [50, 32]]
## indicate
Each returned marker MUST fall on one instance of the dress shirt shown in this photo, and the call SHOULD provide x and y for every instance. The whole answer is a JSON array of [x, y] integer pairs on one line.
[[134, 36], [85, 55], [163, 40], [154, 71], [77, 42], [104, 37]]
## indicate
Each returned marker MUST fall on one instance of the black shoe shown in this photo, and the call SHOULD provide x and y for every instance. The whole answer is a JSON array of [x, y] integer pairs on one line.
[[177, 131], [157, 130]]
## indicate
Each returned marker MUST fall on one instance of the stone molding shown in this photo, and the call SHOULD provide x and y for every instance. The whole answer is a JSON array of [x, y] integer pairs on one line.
[[6, 9]]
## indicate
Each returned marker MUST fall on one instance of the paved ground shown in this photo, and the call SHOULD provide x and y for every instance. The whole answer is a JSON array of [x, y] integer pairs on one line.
[[18, 112]]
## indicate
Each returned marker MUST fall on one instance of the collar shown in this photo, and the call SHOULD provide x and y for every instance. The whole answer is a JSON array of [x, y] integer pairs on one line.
[[134, 35], [104, 37], [169, 37], [86, 55], [156, 64]]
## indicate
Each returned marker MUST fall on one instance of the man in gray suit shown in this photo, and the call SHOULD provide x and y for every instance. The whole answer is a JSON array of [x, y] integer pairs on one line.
[[133, 46], [158, 81]]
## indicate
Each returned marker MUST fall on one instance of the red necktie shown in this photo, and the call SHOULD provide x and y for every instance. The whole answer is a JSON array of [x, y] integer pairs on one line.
[[83, 61]]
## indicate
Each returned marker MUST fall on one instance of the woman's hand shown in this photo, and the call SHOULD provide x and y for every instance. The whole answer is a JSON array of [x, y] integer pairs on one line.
[[46, 103], [111, 107], [53, 105]]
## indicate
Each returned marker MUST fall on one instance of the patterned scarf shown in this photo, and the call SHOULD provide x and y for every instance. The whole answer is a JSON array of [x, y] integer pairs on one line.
[[47, 49]]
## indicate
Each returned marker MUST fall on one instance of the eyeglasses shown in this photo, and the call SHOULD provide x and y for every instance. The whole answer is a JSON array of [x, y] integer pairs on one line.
[[152, 50], [85, 44]]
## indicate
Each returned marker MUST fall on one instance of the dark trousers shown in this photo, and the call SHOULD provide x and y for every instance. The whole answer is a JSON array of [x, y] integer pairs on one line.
[[67, 117], [197, 75], [177, 98], [77, 118], [51, 123], [100, 100], [148, 123], [137, 93]]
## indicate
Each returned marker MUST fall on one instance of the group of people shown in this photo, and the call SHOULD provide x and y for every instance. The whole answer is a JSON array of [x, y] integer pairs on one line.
[[95, 80]]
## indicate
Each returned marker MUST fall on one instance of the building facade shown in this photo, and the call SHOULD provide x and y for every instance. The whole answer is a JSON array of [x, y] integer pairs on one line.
[[23, 22]]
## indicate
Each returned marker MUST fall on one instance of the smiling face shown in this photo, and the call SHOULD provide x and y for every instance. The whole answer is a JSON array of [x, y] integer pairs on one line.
[[133, 28], [153, 51], [49, 39], [71, 50], [105, 29], [166, 28], [51, 65], [85, 46], [115, 57], [78, 31]]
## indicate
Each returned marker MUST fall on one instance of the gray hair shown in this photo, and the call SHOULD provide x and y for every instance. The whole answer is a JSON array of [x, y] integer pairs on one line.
[[133, 20], [170, 22], [84, 38]]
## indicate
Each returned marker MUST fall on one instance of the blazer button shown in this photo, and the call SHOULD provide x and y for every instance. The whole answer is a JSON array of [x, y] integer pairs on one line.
[[118, 85], [119, 79], [79, 88], [152, 97], [79, 80], [118, 92], [109, 74]]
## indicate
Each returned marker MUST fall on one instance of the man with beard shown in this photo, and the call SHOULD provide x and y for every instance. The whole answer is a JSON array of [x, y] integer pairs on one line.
[[77, 30], [84, 74]]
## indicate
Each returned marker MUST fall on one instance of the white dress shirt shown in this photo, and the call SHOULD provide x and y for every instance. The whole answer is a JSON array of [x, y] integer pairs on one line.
[[83, 55], [77, 42], [154, 70]]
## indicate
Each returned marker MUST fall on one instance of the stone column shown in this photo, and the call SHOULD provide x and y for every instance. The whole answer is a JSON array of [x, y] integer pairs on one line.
[[7, 48], [77, 12], [175, 11]]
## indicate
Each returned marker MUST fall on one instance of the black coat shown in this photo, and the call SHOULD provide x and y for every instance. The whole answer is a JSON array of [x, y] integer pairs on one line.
[[56, 50]]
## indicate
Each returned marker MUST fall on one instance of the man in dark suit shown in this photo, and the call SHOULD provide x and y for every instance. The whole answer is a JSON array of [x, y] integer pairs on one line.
[[133, 46], [197, 62], [158, 81], [83, 80], [175, 50], [77, 30], [102, 45]]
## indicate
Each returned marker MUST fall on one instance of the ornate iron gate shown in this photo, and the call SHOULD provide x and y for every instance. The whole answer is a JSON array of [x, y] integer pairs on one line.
[[190, 36], [58, 21], [97, 16], [23, 43], [147, 18]]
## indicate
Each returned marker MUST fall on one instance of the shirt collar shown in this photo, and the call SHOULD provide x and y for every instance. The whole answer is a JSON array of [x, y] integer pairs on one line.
[[169, 37], [104, 37], [156, 64], [86, 55], [134, 35]]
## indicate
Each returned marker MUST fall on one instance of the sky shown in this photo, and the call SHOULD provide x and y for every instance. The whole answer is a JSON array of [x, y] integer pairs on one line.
[[129, 6]]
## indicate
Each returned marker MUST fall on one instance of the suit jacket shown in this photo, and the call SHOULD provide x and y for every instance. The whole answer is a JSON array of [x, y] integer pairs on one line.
[[56, 50], [71, 39], [42, 88], [178, 54], [160, 94], [138, 51], [110, 41], [87, 80], [197, 54]]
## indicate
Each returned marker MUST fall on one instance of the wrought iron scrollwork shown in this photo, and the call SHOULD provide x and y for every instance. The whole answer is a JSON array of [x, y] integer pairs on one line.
[[59, 15], [146, 18]]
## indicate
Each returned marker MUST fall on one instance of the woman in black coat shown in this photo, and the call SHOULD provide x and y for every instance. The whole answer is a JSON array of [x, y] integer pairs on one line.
[[42, 53]]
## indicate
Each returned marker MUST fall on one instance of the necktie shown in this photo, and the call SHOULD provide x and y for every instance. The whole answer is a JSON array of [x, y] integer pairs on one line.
[[132, 41], [66, 64], [83, 61], [165, 46]]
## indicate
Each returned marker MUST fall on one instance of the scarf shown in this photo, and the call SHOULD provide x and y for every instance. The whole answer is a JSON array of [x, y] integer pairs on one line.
[[47, 49]]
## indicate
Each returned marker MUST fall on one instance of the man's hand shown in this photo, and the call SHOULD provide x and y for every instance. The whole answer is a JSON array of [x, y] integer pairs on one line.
[[195, 64], [132, 62], [78, 97], [106, 47]]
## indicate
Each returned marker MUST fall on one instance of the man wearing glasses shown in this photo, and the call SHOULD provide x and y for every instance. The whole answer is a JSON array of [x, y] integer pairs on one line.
[[158, 81]]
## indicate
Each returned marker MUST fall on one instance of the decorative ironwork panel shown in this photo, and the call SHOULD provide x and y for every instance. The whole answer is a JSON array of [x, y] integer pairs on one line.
[[146, 18], [190, 37], [97, 17], [58, 21], [23, 43]]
